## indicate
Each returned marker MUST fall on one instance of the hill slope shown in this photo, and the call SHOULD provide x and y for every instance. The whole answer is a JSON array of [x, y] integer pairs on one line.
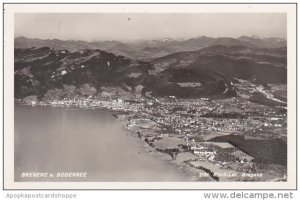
[[209, 72]]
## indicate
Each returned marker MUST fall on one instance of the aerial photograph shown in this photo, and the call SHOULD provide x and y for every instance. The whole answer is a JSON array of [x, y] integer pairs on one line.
[[150, 97]]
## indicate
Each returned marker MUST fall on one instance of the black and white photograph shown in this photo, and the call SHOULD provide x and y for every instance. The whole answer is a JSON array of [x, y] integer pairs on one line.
[[195, 97]]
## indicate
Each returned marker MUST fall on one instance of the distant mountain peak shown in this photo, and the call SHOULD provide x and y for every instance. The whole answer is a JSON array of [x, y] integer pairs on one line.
[[21, 37], [168, 40]]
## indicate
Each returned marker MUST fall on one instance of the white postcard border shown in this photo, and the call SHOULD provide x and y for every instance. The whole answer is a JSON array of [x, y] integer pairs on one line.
[[11, 9]]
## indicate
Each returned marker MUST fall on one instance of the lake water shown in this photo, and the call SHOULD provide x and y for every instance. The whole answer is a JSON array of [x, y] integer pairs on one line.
[[60, 140]]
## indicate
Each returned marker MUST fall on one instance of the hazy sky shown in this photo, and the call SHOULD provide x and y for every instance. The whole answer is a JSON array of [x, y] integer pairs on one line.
[[135, 26]]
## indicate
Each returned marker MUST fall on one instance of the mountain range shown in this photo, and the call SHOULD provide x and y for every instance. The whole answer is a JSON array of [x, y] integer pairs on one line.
[[149, 49], [198, 67]]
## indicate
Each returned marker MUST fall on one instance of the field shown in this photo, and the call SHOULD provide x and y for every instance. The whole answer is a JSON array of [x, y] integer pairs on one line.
[[272, 151]]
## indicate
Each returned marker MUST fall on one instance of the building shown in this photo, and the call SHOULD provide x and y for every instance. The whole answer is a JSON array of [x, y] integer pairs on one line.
[[241, 156]]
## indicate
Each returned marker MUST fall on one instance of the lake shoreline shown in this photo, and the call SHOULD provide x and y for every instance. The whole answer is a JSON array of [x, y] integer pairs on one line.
[[147, 150], [152, 129]]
